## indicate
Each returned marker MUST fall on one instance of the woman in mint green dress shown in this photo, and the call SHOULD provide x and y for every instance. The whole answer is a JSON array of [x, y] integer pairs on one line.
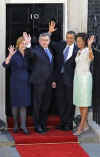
[[83, 79]]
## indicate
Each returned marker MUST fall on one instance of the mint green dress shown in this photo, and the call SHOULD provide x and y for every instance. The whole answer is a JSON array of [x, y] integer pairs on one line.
[[82, 91]]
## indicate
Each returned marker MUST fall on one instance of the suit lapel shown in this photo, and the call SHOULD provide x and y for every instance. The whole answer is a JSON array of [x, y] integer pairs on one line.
[[62, 49], [64, 45]]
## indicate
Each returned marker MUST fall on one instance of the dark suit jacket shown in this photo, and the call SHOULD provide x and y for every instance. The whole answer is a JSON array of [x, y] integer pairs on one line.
[[42, 69], [19, 80], [69, 65]]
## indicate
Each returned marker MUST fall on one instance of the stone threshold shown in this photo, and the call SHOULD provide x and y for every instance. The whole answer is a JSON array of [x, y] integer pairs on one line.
[[95, 127]]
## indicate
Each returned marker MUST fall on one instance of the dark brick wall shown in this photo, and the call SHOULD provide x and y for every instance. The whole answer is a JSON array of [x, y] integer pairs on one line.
[[93, 16], [91, 12], [94, 27]]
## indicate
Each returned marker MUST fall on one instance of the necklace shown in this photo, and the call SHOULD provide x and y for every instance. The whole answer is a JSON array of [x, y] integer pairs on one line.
[[79, 53]]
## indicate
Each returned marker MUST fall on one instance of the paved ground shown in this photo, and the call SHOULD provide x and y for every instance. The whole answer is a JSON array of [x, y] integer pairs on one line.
[[89, 137], [7, 148], [7, 151], [90, 143], [92, 149]]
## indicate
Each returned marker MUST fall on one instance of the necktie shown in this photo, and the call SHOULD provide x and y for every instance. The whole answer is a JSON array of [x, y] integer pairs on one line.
[[66, 53], [48, 54]]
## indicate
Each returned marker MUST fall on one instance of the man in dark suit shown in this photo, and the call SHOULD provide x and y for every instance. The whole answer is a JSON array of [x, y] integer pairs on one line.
[[65, 52], [41, 79]]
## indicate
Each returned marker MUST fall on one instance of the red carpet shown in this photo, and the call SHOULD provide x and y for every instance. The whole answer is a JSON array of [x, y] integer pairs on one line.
[[52, 150], [52, 136], [54, 143]]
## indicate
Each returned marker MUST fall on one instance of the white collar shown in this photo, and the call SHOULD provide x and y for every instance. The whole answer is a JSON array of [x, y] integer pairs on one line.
[[84, 50], [71, 46], [45, 48]]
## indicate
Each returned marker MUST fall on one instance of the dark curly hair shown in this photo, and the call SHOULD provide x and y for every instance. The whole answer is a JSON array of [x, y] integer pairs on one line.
[[84, 37]]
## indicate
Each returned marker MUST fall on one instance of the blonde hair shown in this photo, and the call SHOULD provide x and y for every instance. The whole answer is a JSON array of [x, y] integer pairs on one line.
[[19, 41]]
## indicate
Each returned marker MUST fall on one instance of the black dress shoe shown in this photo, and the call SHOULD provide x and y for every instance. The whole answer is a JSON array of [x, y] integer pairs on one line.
[[45, 128], [25, 131], [39, 130], [15, 130], [60, 127], [66, 128]]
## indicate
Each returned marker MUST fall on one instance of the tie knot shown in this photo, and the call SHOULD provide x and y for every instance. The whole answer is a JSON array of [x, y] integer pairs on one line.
[[46, 49]]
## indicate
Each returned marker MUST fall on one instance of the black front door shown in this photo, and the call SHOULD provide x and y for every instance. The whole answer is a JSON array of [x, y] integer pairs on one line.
[[31, 18]]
